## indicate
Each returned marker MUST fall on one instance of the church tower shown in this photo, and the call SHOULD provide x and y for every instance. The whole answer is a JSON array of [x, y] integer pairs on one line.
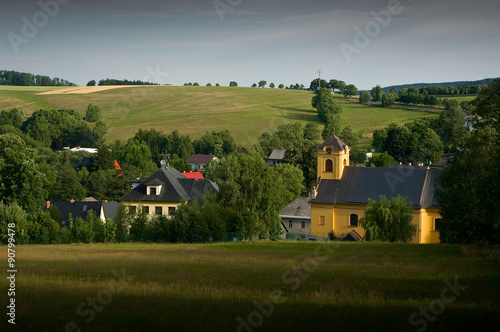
[[333, 156]]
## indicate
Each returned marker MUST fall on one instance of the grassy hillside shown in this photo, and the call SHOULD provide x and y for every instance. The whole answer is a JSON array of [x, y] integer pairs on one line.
[[314, 286], [246, 112]]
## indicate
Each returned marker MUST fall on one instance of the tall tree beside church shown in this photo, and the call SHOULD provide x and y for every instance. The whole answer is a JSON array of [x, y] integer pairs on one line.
[[470, 185]]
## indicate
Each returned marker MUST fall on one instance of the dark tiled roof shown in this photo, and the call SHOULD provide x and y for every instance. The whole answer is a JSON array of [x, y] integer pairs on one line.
[[352, 236], [358, 184], [111, 209], [333, 141], [200, 158], [175, 188], [277, 154], [77, 209], [299, 207]]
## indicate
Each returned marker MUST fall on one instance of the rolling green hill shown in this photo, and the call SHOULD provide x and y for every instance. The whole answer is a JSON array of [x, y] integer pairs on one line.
[[245, 112]]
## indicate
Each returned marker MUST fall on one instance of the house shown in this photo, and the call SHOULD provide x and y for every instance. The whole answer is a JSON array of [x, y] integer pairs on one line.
[[296, 217], [163, 191], [199, 162], [78, 149], [343, 193], [276, 157], [103, 209]]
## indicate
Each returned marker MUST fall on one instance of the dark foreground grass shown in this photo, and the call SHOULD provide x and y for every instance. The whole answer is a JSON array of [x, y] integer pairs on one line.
[[214, 287]]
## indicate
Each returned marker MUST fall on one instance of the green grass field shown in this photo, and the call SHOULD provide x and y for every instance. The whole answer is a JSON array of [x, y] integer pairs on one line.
[[245, 112], [298, 286]]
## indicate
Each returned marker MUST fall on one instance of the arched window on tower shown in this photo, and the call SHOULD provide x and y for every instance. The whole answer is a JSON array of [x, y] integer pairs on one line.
[[329, 165]]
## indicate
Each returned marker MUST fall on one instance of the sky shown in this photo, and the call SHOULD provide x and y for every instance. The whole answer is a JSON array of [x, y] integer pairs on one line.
[[386, 42]]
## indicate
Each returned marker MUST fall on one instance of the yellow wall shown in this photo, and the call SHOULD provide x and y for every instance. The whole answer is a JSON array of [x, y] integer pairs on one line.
[[337, 217], [152, 205]]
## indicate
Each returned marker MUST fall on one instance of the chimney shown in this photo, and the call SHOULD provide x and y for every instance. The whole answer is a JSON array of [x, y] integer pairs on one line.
[[48, 205], [72, 201]]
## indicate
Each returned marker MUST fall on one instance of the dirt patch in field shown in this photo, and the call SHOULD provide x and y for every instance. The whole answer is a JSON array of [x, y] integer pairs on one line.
[[86, 89]]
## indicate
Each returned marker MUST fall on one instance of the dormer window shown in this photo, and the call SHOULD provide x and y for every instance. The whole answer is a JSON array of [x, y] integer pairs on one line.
[[154, 187]]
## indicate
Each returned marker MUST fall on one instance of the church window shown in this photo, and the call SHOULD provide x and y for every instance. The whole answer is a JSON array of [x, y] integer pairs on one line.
[[322, 220], [437, 221], [345, 162], [353, 220], [329, 165]]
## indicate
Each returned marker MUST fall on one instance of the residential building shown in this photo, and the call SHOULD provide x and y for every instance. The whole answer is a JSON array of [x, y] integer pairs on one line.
[[199, 162], [296, 217], [276, 157], [163, 191], [102, 209]]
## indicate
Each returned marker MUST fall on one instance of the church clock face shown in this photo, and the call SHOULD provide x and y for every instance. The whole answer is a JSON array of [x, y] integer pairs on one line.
[[328, 150]]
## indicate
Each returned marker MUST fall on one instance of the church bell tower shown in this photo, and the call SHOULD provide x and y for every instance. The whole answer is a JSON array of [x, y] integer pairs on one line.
[[333, 156]]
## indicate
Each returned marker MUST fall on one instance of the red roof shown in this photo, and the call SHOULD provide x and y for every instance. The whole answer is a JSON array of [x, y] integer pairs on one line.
[[193, 175]]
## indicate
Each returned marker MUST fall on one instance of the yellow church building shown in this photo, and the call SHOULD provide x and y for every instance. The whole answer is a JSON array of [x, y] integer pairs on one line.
[[343, 193]]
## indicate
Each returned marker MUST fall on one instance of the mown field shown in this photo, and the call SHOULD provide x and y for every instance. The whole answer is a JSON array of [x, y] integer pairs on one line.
[[245, 112], [258, 286]]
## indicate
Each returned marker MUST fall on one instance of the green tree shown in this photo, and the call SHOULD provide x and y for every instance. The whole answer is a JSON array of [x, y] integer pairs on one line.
[[68, 185], [91, 83], [281, 86], [364, 97], [262, 84], [388, 99], [12, 214], [272, 86], [209, 84], [470, 185], [233, 84], [311, 131], [381, 160], [348, 136], [389, 220], [450, 126], [317, 84], [13, 118], [324, 102], [93, 113], [394, 91], [21, 181], [350, 90], [377, 93]]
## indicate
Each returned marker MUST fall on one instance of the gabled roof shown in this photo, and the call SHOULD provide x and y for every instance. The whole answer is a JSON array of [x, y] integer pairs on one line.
[[200, 158], [352, 236], [277, 154], [77, 209], [358, 184], [298, 208], [175, 187], [334, 142]]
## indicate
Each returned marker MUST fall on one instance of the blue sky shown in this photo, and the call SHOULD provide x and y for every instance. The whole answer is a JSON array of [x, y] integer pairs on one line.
[[250, 40]]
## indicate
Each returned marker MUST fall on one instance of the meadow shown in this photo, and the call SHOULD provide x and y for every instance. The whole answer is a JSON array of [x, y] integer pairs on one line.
[[245, 112], [255, 286]]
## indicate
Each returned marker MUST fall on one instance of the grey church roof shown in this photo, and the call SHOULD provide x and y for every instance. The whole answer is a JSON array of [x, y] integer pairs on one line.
[[358, 184], [333, 141], [175, 187]]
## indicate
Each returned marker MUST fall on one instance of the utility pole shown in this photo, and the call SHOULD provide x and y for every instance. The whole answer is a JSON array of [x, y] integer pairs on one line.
[[319, 75]]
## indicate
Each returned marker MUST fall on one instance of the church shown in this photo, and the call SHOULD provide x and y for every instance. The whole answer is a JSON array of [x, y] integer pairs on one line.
[[343, 192]]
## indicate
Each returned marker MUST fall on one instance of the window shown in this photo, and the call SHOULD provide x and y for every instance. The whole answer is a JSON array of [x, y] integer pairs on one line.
[[171, 210], [322, 220], [353, 220], [85, 207], [290, 224], [152, 191], [158, 210], [437, 221], [132, 209], [329, 165], [145, 209], [303, 224], [345, 162]]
